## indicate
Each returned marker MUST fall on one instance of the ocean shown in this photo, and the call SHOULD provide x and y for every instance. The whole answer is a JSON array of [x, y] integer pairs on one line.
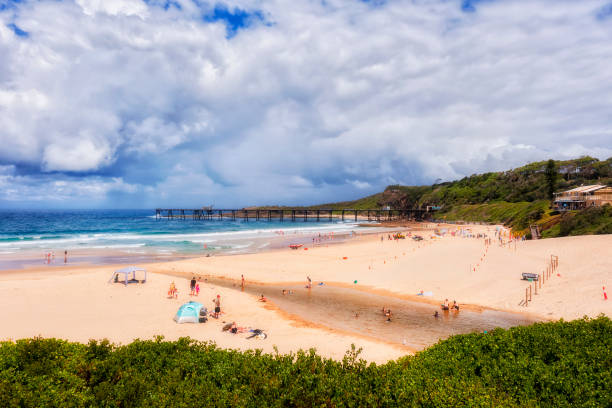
[[138, 232]]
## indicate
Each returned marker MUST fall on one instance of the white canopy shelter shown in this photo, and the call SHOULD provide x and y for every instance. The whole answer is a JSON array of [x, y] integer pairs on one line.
[[126, 275]]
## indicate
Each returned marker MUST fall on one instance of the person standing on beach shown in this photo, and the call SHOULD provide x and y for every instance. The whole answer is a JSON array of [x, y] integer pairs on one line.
[[242, 282], [309, 285], [192, 286], [217, 303], [65, 256]]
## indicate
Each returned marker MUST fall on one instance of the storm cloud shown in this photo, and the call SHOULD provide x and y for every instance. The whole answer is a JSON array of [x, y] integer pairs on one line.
[[130, 103]]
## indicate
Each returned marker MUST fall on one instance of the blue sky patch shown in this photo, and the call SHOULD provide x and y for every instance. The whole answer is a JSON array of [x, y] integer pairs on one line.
[[18, 31], [9, 4], [469, 6], [234, 19], [374, 3], [165, 4], [605, 12]]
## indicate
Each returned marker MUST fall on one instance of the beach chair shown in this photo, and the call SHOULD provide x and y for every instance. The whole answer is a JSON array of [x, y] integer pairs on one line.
[[203, 318]]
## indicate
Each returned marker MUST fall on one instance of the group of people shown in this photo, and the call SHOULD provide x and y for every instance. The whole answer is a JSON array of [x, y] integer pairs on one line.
[[50, 257], [194, 286], [446, 306]]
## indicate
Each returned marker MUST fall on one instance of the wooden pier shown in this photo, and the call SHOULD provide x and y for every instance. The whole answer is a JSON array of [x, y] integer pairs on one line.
[[292, 214]]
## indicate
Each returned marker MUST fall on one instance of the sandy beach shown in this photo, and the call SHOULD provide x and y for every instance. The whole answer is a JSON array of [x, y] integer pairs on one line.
[[78, 303]]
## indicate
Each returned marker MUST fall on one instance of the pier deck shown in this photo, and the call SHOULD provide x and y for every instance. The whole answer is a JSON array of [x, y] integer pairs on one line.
[[291, 214]]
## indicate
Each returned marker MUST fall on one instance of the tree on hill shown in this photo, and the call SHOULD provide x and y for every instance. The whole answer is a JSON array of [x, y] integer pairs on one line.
[[551, 178]]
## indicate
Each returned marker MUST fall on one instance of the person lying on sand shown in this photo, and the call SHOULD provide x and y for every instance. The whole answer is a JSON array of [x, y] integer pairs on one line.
[[257, 333], [236, 329]]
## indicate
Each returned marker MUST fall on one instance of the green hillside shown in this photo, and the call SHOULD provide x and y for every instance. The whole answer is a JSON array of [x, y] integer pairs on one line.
[[595, 220], [517, 197], [524, 184]]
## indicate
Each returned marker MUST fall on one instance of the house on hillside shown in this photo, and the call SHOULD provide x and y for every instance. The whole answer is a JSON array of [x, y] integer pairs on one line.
[[583, 197]]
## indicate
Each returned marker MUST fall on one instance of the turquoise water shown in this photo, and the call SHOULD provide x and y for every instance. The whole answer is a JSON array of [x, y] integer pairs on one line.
[[138, 231]]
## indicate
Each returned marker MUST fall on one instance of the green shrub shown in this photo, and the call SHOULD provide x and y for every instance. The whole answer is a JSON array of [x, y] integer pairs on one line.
[[547, 364], [594, 220]]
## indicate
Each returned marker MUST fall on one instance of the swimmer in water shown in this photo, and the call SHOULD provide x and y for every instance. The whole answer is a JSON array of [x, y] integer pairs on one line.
[[436, 314]]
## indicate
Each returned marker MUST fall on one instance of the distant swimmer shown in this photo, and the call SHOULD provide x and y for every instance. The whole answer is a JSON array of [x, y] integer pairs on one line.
[[263, 298], [436, 314], [455, 305]]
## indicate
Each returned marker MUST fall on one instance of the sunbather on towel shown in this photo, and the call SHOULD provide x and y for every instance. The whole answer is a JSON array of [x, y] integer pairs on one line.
[[258, 333]]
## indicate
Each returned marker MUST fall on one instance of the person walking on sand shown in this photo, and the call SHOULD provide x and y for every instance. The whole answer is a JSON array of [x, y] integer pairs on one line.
[[172, 292], [217, 302], [197, 290], [242, 281], [65, 256], [192, 286], [309, 285]]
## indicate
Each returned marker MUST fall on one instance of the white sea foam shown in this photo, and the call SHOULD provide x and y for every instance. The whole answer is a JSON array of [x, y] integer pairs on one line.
[[228, 240]]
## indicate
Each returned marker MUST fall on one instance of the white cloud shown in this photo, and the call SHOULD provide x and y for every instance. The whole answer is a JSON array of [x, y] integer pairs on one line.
[[47, 191], [322, 101], [114, 7], [80, 155]]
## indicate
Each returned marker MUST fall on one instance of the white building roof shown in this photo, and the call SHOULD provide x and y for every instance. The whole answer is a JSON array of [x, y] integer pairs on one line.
[[585, 189]]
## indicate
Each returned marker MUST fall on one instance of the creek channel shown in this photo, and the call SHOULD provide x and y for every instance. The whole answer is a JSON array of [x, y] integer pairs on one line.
[[412, 324]]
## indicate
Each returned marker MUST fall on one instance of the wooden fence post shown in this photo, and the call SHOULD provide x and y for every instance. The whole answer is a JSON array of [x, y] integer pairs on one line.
[[526, 298], [530, 293], [539, 281]]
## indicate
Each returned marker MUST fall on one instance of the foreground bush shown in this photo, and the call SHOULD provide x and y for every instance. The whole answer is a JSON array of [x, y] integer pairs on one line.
[[548, 364]]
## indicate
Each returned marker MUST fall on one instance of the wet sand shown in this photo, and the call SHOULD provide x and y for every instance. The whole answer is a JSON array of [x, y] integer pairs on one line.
[[412, 323]]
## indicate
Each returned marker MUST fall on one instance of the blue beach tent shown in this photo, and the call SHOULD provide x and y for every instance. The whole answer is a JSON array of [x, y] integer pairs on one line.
[[126, 275], [189, 313]]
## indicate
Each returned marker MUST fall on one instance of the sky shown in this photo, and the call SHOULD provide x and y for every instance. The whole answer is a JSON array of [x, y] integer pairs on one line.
[[184, 103]]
